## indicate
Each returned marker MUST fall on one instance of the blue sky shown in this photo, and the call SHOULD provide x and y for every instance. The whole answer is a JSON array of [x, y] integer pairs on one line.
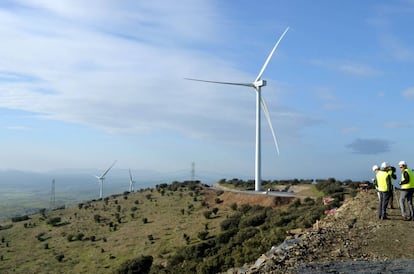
[[84, 83]]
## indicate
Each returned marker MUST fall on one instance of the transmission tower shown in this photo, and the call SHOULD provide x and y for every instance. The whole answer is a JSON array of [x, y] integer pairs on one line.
[[52, 195]]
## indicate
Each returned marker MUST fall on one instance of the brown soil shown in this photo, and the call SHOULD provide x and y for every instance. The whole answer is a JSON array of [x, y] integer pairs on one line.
[[228, 198], [353, 234]]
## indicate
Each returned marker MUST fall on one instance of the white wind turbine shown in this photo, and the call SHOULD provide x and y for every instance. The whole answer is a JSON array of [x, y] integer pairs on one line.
[[257, 85], [131, 182], [101, 179]]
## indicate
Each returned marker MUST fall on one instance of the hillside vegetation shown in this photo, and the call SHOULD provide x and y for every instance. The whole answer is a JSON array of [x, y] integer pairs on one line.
[[177, 228]]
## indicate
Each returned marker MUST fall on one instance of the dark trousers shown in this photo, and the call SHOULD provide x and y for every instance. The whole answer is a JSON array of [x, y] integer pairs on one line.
[[391, 201], [382, 208]]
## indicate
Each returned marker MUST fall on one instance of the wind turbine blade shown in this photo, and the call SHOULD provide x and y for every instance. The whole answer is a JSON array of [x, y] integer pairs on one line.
[[130, 175], [223, 83], [266, 111], [270, 56], [106, 171]]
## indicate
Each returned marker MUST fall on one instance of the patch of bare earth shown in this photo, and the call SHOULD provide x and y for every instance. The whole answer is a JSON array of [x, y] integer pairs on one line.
[[227, 198]]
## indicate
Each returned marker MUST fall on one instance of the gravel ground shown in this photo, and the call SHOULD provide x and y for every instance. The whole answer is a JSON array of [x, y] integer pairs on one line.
[[352, 240]]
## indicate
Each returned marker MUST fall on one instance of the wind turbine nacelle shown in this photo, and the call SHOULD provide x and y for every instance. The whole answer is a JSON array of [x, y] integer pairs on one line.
[[260, 83]]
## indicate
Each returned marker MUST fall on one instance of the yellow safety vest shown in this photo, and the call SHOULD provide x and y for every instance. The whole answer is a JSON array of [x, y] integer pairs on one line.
[[382, 181], [411, 182]]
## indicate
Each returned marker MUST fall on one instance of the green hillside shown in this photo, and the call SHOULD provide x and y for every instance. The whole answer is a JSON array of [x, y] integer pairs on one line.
[[184, 227]]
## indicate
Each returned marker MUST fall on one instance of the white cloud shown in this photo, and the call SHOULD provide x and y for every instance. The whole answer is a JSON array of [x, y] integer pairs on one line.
[[395, 124], [408, 93], [350, 130], [348, 67], [329, 99], [118, 68]]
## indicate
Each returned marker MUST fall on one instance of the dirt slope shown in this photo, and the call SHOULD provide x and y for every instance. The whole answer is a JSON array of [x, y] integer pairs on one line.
[[353, 240]]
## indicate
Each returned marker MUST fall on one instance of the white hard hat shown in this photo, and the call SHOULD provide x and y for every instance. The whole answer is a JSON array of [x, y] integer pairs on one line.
[[374, 167], [384, 165], [402, 163]]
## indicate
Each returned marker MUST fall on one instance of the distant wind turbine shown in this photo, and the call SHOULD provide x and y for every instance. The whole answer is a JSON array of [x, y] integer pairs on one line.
[[257, 85], [131, 182], [101, 179]]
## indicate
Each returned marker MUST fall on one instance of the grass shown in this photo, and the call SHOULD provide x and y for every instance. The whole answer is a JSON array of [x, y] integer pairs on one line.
[[120, 237], [113, 230]]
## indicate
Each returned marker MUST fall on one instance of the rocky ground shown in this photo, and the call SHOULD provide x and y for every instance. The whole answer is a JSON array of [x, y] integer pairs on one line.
[[353, 240]]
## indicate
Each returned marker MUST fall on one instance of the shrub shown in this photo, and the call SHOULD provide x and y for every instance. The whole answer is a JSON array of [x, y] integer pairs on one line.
[[138, 265], [144, 220], [245, 234], [231, 223], [296, 203], [225, 236], [202, 235], [80, 236], [70, 237], [19, 218], [309, 201], [244, 208], [233, 206], [54, 221], [97, 218], [59, 257], [186, 238], [39, 236], [207, 214], [255, 220]]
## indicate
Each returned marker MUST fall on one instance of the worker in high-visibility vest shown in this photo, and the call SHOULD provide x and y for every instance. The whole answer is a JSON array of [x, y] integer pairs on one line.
[[407, 190], [383, 179], [385, 166]]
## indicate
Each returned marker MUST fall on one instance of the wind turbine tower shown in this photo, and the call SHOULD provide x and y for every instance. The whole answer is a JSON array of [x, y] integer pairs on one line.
[[257, 84], [101, 180], [131, 182]]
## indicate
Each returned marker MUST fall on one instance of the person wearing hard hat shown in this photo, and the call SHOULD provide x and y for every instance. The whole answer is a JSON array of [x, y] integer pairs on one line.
[[375, 183], [390, 170], [407, 190], [384, 185]]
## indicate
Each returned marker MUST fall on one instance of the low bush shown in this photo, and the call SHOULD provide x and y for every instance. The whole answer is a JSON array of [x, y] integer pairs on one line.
[[140, 265]]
